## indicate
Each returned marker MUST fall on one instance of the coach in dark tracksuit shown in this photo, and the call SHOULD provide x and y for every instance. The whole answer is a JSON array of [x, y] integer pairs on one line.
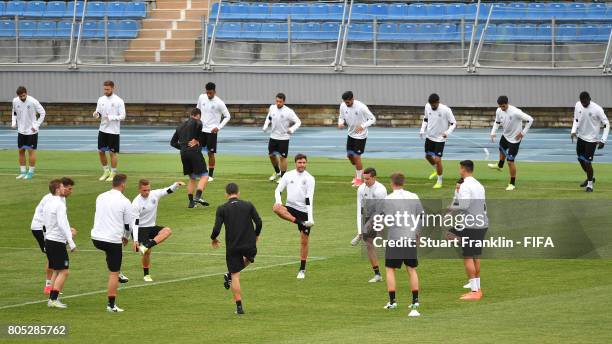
[[242, 229], [185, 139]]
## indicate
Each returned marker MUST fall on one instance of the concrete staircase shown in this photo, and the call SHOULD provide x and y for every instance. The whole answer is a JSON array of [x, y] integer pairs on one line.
[[169, 33]]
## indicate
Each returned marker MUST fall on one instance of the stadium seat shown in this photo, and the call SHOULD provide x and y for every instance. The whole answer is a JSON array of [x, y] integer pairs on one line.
[[557, 10], [7, 28], [596, 10], [279, 11], [318, 11], [588, 33], [526, 32], [567, 33], [501, 11], [234, 10], [380, 11], [455, 11], [228, 30], [435, 11], [537, 11], [63, 29], [34, 9], [361, 32], [406, 32], [360, 12], [516, 10], [14, 8], [334, 12], [544, 33], [258, 11], [448, 33], [2, 7], [96, 9], [136, 10], [397, 11], [428, 32], [604, 32], [299, 11], [70, 9], [27, 28], [576, 11], [274, 32], [93, 29], [504, 32], [46, 29], [468, 31], [116, 9], [126, 29], [416, 11], [55, 9], [470, 11], [251, 31], [329, 31], [387, 32], [305, 31]]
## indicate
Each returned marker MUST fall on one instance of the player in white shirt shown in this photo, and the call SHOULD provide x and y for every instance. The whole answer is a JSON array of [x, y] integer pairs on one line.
[[38, 224], [470, 202], [300, 187], [111, 111], [589, 118], [357, 117], [23, 118], [58, 234], [438, 123], [214, 117], [511, 119], [111, 230], [283, 122], [369, 195], [146, 232]]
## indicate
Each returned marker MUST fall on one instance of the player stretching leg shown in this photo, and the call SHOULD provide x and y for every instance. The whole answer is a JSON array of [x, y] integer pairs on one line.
[[283, 122]]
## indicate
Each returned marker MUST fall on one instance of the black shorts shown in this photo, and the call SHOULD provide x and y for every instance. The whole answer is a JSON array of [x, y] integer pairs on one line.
[[57, 255], [40, 238], [396, 256], [108, 142], [397, 263], [208, 142], [475, 234], [194, 164], [278, 147], [27, 141], [368, 233], [235, 260], [585, 150], [114, 254], [146, 233], [508, 149], [300, 216], [355, 146], [434, 148]]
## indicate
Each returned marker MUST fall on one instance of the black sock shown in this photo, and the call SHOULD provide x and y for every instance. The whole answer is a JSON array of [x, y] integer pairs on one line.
[[500, 164], [198, 194], [277, 169], [392, 297], [211, 171], [239, 304], [146, 271], [512, 180], [302, 264], [111, 301], [415, 296], [376, 270], [190, 196], [54, 294], [283, 173], [150, 243]]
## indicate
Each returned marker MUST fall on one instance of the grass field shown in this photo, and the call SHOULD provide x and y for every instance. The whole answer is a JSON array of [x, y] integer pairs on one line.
[[526, 300]]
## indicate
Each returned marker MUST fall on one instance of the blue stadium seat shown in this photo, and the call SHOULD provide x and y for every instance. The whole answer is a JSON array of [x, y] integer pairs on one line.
[[55, 9], [63, 29], [596, 10], [448, 33], [504, 32], [14, 8], [537, 11], [470, 11], [428, 32], [305, 31], [46, 29], [588, 33], [329, 31], [435, 11], [299, 11], [380, 11], [7, 28], [455, 11], [361, 32], [516, 10], [491, 32], [526, 32], [34, 9], [567, 33], [557, 10], [279, 11], [27, 28], [544, 33], [387, 32], [123, 29], [116, 9], [228, 30], [360, 12], [576, 11], [469, 28], [70, 9], [237, 10], [136, 10], [397, 11], [258, 11], [251, 31], [406, 32], [318, 11], [93, 29], [416, 11], [96, 9], [604, 32], [501, 11], [274, 31], [2, 6], [334, 12]]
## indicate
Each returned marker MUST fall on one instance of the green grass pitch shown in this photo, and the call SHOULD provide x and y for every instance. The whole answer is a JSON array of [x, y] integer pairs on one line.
[[525, 300]]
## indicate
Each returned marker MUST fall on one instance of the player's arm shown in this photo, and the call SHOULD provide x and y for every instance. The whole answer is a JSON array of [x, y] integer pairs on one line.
[[267, 122], [13, 117], [528, 122], [199, 103], [370, 119], [41, 116], [159, 193], [452, 123], [340, 119], [575, 123], [64, 226], [217, 228], [424, 124], [128, 221], [296, 122], [462, 199], [174, 142], [135, 223], [121, 115], [226, 116], [310, 199], [279, 189], [256, 220], [606, 129], [98, 112], [496, 125]]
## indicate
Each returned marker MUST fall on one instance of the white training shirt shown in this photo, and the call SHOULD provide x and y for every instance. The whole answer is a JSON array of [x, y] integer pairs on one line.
[[356, 115], [212, 111], [588, 122], [56, 221], [438, 122], [113, 212], [38, 220], [512, 122], [404, 202], [24, 115], [112, 112], [282, 122], [145, 209], [300, 186], [364, 193], [470, 199]]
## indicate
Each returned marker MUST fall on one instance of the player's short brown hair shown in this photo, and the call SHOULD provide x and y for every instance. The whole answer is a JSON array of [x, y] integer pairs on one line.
[[66, 181], [109, 83], [371, 171], [54, 185], [143, 182], [398, 179], [21, 90], [300, 156], [119, 179]]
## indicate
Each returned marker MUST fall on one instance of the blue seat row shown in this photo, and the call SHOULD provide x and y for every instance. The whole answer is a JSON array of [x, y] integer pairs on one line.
[[415, 11], [28, 29], [62, 9], [410, 32]]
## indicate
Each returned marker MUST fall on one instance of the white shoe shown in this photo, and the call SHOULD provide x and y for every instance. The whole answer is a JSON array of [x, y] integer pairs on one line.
[[110, 177], [123, 278], [21, 176], [376, 278], [414, 310], [115, 309], [104, 175], [510, 187], [494, 167], [274, 177], [301, 274], [56, 304], [142, 249], [147, 278], [308, 224], [356, 240], [390, 305], [467, 286], [210, 179]]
